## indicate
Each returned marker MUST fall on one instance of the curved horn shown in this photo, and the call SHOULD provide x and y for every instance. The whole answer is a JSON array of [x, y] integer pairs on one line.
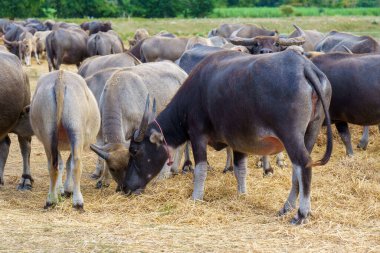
[[298, 41], [9, 42], [139, 134], [154, 110], [236, 40], [348, 50], [100, 152]]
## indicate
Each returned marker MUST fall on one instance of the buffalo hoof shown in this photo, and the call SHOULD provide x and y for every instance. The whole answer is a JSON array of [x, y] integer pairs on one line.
[[49, 205], [281, 164], [94, 176], [299, 219], [363, 145], [187, 167], [66, 194], [26, 183], [1, 181], [268, 172], [228, 169], [79, 208], [284, 211], [174, 171], [100, 185]]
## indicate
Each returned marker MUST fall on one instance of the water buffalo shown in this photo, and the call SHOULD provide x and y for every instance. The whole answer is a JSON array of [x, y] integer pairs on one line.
[[14, 97], [229, 99], [245, 31], [339, 41], [267, 44], [122, 106], [58, 25], [352, 74], [159, 48], [96, 26], [312, 37], [64, 116], [139, 35], [25, 45], [215, 41], [67, 46], [96, 63], [40, 41], [104, 43]]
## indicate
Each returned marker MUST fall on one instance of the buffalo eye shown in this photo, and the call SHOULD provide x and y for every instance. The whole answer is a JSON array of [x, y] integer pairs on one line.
[[277, 44], [255, 44]]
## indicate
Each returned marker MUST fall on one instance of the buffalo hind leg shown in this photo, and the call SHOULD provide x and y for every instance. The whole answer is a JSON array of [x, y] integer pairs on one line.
[[68, 186], [187, 165], [99, 169], [363, 143], [76, 165], [240, 170], [177, 159], [4, 151], [345, 135], [229, 161], [26, 181], [52, 198]]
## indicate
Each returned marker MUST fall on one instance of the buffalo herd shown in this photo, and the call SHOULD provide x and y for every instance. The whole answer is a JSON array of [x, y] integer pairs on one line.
[[245, 89]]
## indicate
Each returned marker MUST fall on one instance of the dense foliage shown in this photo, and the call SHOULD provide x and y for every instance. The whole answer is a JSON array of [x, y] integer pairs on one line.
[[150, 8]]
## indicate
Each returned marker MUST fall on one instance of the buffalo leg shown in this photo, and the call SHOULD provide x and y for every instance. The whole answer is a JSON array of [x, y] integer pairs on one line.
[[177, 159], [199, 146], [37, 59], [267, 168], [280, 160], [52, 198], [4, 151], [364, 140], [345, 135], [187, 165], [26, 181], [229, 163], [99, 169], [61, 166], [240, 171], [76, 165], [105, 179], [68, 187]]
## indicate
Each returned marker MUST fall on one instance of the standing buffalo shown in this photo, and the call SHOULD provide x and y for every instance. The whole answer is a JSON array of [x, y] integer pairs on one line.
[[122, 105], [96, 26], [103, 43], [352, 74], [245, 31], [14, 97], [159, 48], [67, 46], [340, 42], [64, 116], [229, 99], [139, 35]]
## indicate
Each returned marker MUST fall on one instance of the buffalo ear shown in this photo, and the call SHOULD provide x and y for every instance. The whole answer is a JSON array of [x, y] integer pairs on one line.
[[156, 137], [100, 151]]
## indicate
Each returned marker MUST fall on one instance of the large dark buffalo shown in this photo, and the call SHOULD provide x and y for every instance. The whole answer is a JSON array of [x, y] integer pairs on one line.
[[67, 46], [103, 43], [14, 97], [245, 31], [355, 82], [340, 42], [230, 99], [96, 26]]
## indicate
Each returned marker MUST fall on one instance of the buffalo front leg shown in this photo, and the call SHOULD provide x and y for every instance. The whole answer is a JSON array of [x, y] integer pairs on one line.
[[240, 171], [4, 151], [363, 143], [99, 169], [26, 181], [178, 154], [345, 135], [199, 146], [105, 179]]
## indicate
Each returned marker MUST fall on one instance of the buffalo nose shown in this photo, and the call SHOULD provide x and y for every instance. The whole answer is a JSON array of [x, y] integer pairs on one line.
[[265, 51]]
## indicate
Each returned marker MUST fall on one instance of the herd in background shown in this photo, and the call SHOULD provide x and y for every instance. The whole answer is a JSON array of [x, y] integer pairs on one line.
[[206, 89]]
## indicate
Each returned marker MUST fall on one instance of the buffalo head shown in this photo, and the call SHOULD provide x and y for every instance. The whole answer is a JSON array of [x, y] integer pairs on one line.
[[267, 44]]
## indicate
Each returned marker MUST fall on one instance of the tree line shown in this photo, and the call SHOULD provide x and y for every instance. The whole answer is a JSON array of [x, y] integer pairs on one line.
[[149, 8]]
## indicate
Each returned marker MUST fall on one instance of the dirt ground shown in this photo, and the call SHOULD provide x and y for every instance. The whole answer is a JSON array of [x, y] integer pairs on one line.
[[345, 204]]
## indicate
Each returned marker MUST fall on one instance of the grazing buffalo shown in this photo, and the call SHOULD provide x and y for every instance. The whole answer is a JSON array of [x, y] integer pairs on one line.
[[122, 105], [215, 41], [104, 43], [14, 97], [245, 31], [267, 44], [40, 41], [64, 116], [25, 45], [159, 48], [59, 25], [340, 42], [229, 99], [352, 74], [67, 46], [96, 63], [139, 35]]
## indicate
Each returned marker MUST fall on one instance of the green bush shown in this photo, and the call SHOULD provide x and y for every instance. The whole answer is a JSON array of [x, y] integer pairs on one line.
[[286, 10]]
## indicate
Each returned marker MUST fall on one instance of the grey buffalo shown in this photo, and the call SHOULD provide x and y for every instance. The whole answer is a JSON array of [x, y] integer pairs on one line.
[[104, 43], [245, 31], [159, 48], [64, 116], [122, 105]]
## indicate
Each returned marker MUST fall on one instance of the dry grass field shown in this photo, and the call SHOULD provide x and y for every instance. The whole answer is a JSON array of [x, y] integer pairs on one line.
[[345, 204]]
